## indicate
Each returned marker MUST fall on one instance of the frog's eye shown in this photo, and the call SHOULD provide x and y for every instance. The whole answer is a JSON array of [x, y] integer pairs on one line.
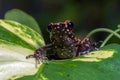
[[49, 27], [70, 24]]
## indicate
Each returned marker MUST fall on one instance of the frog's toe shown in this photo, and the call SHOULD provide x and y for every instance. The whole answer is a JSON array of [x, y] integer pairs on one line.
[[29, 56], [45, 59]]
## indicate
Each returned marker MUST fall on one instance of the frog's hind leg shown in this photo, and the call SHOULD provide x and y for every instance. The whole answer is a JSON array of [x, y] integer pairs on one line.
[[86, 46]]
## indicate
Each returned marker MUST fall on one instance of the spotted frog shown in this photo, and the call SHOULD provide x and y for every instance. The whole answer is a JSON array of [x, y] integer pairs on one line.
[[63, 43]]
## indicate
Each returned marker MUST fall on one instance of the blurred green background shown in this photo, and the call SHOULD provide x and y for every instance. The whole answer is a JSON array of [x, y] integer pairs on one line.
[[85, 14]]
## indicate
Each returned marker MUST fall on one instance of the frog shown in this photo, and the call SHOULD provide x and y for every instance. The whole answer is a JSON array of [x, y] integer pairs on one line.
[[64, 43]]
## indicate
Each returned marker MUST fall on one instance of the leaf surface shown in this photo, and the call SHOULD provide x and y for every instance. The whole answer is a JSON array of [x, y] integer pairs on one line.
[[23, 18], [16, 42], [99, 65]]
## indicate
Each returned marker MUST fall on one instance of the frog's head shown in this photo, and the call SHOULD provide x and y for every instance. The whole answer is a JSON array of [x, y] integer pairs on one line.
[[61, 27]]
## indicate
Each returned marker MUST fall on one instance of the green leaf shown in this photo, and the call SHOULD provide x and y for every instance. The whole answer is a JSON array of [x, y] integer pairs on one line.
[[13, 63], [16, 42], [99, 65], [23, 18], [17, 33]]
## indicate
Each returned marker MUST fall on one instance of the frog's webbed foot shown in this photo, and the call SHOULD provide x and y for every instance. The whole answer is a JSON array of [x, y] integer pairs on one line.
[[38, 57]]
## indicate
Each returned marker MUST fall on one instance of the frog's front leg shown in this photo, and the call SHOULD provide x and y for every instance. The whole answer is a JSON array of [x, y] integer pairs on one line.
[[38, 54]]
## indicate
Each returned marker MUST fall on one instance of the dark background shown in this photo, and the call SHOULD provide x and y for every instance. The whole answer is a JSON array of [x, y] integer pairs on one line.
[[86, 14]]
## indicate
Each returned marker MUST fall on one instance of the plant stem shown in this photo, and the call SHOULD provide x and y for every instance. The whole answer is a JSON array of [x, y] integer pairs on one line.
[[109, 36], [104, 30]]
